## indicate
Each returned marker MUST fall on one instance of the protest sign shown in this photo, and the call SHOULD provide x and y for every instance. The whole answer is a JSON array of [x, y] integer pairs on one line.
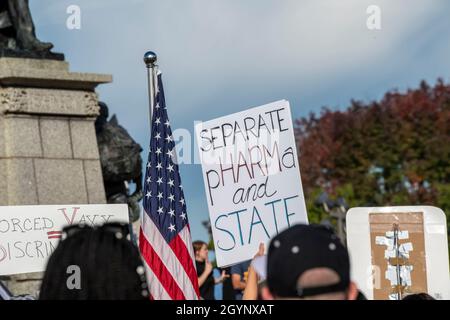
[[396, 251], [252, 179], [29, 234]]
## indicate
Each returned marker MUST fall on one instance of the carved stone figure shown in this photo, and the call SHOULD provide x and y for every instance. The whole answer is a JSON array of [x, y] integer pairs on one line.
[[18, 35], [121, 162]]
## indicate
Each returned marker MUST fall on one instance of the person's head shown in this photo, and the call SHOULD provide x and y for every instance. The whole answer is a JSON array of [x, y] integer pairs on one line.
[[95, 264], [418, 296], [308, 262], [200, 250]]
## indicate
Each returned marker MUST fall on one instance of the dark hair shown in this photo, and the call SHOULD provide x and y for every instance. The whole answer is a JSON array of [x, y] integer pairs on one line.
[[110, 266], [360, 296], [198, 245], [418, 296]]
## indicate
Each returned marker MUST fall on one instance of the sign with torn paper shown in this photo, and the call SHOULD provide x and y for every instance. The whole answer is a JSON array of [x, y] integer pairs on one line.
[[396, 251]]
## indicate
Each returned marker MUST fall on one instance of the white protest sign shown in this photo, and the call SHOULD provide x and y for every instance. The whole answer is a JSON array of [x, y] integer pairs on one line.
[[29, 234], [252, 179], [260, 265], [396, 251]]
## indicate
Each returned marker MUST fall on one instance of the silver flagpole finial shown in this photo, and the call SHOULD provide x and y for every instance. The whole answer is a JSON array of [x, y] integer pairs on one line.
[[150, 59]]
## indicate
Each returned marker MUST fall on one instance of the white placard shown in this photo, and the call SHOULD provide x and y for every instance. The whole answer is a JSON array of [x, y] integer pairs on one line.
[[425, 241], [29, 234], [251, 177]]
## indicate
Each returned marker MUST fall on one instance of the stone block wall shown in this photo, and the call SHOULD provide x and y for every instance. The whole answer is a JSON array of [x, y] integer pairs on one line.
[[49, 160], [48, 146]]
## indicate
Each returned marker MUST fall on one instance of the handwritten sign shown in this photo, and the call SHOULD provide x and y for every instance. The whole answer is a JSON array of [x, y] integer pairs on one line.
[[29, 234], [252, 179]]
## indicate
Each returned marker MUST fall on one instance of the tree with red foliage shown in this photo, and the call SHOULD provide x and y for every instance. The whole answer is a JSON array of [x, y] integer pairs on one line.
[[392, 152]]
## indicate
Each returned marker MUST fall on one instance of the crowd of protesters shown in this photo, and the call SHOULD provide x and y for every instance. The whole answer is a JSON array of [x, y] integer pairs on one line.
[[303, 262]]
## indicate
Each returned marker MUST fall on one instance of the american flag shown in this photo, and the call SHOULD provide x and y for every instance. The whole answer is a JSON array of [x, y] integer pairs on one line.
[[165, 240]]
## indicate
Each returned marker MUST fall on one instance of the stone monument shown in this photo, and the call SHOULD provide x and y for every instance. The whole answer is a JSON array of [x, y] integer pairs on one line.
[[17, 33], [120, 158], [48, 146]]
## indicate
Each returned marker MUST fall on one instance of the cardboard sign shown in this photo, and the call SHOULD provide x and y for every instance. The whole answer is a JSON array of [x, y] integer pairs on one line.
[[252, 179], [29, 234], [396, 251]]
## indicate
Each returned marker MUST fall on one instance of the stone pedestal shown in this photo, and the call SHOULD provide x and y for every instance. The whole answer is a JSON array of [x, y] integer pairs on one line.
[[48, 146]]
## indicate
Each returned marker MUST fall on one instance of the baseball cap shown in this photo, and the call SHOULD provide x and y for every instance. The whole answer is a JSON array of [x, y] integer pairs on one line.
[[301, 248]]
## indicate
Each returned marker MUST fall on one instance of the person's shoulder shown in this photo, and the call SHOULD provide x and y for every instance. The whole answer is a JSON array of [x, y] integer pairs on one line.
[[234, 269], [240, 268]]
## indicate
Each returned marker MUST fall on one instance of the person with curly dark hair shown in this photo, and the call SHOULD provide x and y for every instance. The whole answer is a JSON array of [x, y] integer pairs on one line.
[[108, 264]]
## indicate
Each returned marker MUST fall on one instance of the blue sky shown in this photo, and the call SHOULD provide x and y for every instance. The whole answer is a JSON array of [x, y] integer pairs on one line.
[[222, 56]]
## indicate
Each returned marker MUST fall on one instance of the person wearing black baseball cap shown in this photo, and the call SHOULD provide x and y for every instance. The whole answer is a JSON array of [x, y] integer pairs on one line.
[[308, 262]]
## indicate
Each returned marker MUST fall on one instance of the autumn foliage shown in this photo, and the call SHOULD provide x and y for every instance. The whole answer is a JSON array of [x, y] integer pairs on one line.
[[391, 152]]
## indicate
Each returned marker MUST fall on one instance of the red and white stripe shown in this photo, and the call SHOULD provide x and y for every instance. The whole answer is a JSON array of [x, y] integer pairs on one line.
[[54, 234], [171, 272]]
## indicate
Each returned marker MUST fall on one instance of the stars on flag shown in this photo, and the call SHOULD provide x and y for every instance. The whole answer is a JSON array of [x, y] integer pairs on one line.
[[164, 198]]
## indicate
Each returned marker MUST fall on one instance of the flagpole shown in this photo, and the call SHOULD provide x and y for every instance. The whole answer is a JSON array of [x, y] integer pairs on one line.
[[150, 62]]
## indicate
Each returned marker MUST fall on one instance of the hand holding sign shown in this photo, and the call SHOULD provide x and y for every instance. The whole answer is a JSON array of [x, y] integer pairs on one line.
[[261, 250]]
